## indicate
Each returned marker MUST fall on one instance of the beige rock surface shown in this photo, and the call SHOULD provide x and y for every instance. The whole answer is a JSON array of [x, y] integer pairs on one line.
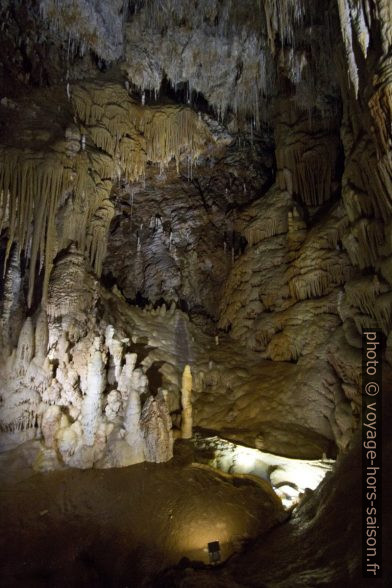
[[192, 239]]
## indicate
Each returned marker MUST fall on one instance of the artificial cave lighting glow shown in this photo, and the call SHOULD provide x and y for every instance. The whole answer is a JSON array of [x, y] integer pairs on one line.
[[289, 478], [200, 533], [245, 460]]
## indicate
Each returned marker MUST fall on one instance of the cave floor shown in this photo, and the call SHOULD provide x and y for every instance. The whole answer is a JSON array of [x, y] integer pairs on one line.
[[318, 546], [149, 525], [120, 527]]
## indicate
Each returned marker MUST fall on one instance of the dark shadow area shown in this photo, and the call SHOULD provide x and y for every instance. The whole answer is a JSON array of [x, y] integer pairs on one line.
[[154, 377]]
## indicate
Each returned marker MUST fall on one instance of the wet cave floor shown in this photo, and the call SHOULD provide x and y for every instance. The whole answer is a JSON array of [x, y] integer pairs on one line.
[[149, 525], [122, 526]]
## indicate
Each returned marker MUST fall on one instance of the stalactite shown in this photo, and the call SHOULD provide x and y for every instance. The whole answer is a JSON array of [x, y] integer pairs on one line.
[[254, 234], [347, 35], [24, 420], [360, 26], [383, 312], [383, 10], [133, 157], [313, 285], [97, 25], [380, 187], [99, 226], [363, 242], [357, 202], [320, 264], [362, 293], [102, 166], [126, 136], [103, 139], [306, 155], [32, 183], [72, 288], [282, 17], [171, 132], [157, 134], [311, 170], [372, 298], [367, 181], [381, 105], [317, 282]]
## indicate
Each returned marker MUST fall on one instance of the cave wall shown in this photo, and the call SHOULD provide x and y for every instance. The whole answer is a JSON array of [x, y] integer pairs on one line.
[[224, 203]]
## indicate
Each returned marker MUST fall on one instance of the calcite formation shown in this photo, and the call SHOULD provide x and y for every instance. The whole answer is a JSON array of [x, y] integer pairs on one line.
[[195, 236], [195, 229], [186, 403], [124, 137]]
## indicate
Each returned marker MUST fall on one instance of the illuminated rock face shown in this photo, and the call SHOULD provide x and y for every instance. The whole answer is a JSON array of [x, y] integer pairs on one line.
[[186, 403], [142, 224]]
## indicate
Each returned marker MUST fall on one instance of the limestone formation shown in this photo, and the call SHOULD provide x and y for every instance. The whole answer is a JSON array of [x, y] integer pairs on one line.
[[91, 408], [156, 427], [186, 403], [195, 228]]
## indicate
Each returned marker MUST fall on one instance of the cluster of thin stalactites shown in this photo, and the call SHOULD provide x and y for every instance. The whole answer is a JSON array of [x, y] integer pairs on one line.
[[117, 139]]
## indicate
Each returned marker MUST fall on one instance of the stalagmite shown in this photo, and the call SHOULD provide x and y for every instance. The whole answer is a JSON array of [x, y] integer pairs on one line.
[[95, 385], [132, 426], [156, 426], [50, 425], [126, 376], [11, 314], [186, 403], [41, 337], [25, 350], [116, 353], [113, 406]]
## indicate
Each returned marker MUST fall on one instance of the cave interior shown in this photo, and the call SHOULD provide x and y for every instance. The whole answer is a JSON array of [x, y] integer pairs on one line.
[[195, 238]]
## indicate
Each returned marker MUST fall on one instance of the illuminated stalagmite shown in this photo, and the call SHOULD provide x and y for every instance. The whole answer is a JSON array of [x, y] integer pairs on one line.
[[186, 403]]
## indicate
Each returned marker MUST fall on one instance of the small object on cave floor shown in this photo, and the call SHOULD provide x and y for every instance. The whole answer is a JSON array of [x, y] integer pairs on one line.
[[214, 552]]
